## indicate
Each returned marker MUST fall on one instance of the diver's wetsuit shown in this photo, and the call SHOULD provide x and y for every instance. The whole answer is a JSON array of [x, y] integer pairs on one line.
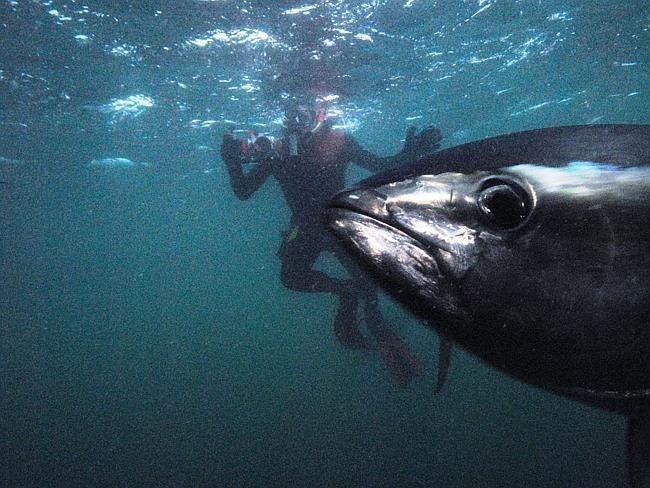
[[308, 182]]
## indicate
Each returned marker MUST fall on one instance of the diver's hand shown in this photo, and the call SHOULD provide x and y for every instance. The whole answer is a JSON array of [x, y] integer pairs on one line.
[[420, 144], [230, 149]]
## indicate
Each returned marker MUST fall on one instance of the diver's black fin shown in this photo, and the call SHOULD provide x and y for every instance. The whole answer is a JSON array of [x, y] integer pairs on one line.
[[402, 364], [346, 326], [444, 361], [638, 450]]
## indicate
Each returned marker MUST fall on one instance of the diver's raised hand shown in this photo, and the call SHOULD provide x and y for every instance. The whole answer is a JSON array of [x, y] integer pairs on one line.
[[230, 148], [420, 144]]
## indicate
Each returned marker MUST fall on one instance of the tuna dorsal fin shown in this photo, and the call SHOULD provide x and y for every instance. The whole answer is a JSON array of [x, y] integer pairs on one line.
[[444, 361], [638, 450]]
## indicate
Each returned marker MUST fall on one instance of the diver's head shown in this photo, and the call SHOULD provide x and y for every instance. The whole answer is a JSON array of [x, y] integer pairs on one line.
[[300, 119]]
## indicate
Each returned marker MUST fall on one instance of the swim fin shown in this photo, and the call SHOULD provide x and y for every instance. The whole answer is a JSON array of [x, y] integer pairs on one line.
[[402, 364], [346, 326]]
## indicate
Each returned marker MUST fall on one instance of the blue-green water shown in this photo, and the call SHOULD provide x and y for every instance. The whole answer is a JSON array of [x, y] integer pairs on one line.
[[145, 338]]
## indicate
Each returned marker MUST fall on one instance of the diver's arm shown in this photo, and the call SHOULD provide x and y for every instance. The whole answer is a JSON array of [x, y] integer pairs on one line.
[[243, 184], [416, 146], [368, 160]]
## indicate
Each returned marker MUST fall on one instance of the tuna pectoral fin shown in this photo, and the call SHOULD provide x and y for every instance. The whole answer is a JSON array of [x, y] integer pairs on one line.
[[444, 360], [638, 450]]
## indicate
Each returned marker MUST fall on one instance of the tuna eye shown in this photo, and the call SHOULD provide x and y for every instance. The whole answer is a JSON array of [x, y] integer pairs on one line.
[[505, 204]]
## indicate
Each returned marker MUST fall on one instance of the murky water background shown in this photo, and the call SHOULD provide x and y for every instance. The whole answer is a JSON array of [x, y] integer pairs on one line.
[[145, 338]]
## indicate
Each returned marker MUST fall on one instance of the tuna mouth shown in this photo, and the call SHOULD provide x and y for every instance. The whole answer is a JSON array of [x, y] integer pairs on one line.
[[363, 221], [411, 271], [369, 208], [347, 223], [392, 254], [406, 231], [377, 210], [368, 202]]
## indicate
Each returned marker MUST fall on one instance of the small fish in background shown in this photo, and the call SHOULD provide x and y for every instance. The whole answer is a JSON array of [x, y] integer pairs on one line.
[[116, 163], [9, 161], [531, 251], [125, 108]]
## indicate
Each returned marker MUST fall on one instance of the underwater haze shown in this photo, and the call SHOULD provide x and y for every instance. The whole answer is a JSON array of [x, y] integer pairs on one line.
[[145, 337]]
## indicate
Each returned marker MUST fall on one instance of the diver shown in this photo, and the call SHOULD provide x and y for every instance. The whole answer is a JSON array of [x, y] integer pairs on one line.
[[309, 162]]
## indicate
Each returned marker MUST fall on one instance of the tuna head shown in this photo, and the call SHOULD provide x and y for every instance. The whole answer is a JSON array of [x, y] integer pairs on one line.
[[541, 271]]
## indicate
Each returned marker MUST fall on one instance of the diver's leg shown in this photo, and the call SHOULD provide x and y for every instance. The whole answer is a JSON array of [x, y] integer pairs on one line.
[[402, 364], [298, 256]]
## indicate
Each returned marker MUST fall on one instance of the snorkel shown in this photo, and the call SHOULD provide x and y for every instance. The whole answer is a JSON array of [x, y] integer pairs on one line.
[[320, 119]]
